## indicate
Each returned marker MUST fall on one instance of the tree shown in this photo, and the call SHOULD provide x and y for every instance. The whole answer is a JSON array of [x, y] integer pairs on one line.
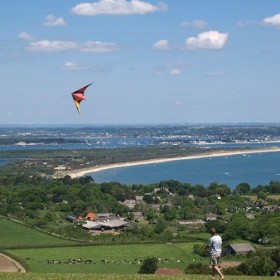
[[160, 226], [148, 198], [243, 188], [149, 265]]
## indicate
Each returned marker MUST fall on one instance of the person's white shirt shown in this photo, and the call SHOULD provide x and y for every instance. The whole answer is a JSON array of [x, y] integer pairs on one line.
[[215, 245]]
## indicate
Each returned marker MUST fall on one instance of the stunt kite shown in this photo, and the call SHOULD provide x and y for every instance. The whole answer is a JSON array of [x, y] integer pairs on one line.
[[78, 96]]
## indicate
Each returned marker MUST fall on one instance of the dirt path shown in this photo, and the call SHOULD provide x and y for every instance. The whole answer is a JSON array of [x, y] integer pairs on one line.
[[7, 264]]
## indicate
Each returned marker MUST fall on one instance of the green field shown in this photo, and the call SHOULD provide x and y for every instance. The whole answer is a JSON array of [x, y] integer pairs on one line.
[[84, 276], [107, 258], [40, 252], [50, 258], [19, 236]]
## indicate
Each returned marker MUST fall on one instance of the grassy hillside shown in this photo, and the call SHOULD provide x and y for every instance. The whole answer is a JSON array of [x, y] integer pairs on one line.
[[14, 235]]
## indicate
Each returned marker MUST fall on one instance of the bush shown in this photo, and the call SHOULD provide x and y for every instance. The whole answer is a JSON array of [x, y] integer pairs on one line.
[[197, 268], [258, 264], [232, 271], [200, 250], [149, 266]]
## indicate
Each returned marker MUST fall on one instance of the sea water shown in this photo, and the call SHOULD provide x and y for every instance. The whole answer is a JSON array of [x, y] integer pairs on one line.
[[255, 169]]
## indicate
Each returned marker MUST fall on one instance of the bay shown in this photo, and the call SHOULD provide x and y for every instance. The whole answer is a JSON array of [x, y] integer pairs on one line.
[[255, 169]]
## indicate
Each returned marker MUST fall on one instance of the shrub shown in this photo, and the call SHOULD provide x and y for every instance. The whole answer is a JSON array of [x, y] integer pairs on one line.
[[197, 268], [149, 266]]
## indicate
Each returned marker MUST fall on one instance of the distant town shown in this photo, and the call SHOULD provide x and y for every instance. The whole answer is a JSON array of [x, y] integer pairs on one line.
[[118, 136]]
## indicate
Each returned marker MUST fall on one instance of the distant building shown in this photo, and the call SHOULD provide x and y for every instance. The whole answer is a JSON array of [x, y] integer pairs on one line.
[[240, 249], [90, 216], [139, 199], [155, 206], [105, 217], [110, 225], [271, 208], [130, 203], [211, 217], [138, 216], [191, 196], [71, 218], [192, 223], [250, 216]]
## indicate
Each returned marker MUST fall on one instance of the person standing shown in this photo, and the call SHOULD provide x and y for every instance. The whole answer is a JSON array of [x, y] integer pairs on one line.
[[215, 246]]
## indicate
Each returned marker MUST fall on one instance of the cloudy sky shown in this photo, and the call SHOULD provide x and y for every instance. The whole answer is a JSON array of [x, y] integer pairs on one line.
[[150, 62]]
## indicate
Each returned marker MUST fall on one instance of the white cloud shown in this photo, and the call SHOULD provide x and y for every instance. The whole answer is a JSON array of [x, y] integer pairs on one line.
[[273, 20], [100, 47], [52, 21], [117, 7], [75, 67], [195, 23], [57, 46], [175, 72], [161, 45], [212, 40], [26, 36], [52, 46]]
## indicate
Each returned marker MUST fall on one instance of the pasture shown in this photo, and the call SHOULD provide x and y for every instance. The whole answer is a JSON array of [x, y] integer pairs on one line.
[[121, 259], [84, 276], [15, 235]]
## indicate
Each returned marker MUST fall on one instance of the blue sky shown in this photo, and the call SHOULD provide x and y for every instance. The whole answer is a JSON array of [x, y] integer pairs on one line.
[[151, 62]]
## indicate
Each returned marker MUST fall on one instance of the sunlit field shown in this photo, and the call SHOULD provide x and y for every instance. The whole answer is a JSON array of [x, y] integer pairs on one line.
[[65, 276], [120, 259]]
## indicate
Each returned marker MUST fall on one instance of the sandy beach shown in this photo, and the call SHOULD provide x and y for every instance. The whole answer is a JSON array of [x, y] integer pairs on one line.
[[81, 172]]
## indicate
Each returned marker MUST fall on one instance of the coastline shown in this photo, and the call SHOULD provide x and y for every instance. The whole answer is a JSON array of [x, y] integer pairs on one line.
[[82, 172]]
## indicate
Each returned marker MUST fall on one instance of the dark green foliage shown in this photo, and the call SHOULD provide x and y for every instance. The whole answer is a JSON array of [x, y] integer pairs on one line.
[[243, 188], [219, 225], [232, 271], [275, 256], [258, 264], [149, 266], [238, 226], [201, 250], [197, 268]]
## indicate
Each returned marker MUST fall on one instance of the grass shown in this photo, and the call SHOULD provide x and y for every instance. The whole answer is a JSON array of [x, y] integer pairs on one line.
[[123, 259], [16, 235], [84, 276], [40, 254]]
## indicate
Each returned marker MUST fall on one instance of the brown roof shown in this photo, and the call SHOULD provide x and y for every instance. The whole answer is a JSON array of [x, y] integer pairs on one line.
[[168, 271], [90, 216]]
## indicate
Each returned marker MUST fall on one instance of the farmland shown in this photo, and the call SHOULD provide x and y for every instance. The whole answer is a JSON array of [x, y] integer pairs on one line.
[[20, 236], [97, 259], [39, 252], [85, 276]]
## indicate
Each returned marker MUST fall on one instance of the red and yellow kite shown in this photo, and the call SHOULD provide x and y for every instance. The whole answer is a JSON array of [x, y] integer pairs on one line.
[[78, 96]]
